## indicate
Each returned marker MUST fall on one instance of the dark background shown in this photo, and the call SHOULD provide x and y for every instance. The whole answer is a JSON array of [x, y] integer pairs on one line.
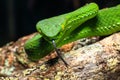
[[19, 17]]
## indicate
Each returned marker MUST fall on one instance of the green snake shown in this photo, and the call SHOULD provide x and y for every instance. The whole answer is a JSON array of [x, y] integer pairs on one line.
[[86, 21]]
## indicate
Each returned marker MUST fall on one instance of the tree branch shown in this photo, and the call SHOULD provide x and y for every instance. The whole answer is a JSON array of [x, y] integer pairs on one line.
[[100, 60]]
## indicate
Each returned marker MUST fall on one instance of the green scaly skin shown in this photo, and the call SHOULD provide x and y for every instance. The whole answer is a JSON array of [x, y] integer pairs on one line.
[[106, 22], [72, 26], [35, 52]]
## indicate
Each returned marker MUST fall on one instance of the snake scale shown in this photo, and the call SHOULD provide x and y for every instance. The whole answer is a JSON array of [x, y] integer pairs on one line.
[[84, 22]]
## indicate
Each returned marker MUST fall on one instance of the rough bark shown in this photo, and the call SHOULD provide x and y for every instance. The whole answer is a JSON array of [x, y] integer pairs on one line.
[[97, 61]]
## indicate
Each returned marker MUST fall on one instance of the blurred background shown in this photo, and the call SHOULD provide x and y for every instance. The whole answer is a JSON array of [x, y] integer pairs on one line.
[[19, 17]]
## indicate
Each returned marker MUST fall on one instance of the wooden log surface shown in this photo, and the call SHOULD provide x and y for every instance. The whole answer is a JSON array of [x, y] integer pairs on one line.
[[96, 61]]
